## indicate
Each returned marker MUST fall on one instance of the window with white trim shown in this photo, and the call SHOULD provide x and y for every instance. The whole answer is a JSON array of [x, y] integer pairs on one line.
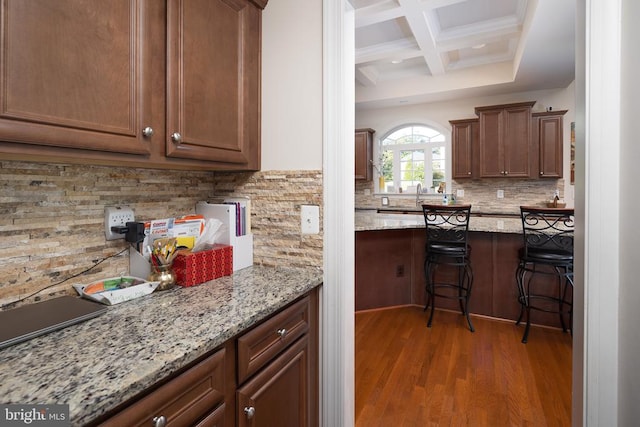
[[410, 155]]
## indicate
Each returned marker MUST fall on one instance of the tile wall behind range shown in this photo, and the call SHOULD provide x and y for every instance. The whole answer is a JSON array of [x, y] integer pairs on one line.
[[52, 222]]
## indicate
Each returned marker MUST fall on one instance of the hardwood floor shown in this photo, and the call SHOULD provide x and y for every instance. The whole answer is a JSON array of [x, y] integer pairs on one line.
[[411, 375]]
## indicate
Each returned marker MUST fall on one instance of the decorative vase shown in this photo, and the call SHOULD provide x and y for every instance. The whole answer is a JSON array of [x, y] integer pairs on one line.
[[163, 274]]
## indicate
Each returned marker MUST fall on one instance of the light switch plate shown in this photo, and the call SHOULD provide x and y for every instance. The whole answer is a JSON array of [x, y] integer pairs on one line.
[[310, 219], [500, 194]]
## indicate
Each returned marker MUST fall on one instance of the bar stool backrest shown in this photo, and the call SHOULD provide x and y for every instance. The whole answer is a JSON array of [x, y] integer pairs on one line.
[[447, 224], [547, 230]]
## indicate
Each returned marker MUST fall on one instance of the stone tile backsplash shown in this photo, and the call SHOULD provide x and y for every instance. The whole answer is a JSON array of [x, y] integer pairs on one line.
[[51, 227], [276, 197], [480, 193]]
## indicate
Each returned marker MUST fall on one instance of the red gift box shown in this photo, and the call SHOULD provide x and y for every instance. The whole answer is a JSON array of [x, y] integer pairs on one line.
[[199, 267]]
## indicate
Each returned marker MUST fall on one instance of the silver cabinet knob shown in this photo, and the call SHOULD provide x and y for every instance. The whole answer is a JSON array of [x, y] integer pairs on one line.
[[147, 132], [176, 137], [468, 173], [160, 421], [282, 332], [541, 173], [250, 411]]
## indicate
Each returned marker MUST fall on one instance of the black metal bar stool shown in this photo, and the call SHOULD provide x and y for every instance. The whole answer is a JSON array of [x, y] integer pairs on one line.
[[547, 251], [447, 228]]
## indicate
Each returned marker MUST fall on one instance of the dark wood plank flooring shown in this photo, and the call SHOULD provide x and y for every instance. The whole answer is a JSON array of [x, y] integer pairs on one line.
[[411, 375]]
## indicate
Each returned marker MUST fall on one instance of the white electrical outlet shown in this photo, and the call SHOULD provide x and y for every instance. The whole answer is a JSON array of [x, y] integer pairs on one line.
[[460, 193], [500, 194], [115, 216], [310, 219]]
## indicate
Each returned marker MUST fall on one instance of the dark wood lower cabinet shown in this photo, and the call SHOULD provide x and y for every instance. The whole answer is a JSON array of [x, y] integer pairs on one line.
[[266, 376], [381, 255], [278, 395], [195, 397]]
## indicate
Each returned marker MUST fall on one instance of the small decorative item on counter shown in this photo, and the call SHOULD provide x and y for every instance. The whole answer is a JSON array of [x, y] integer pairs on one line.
[[164, 275], [115, 290], [162, 254], [445, 199], [193, 268]]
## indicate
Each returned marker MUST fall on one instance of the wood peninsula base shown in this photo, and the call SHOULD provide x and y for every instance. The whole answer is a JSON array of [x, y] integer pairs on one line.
[[389, 272]]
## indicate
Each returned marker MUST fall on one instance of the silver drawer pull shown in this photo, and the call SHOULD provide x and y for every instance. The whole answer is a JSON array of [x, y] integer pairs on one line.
[[176, 137], [282, 332], [160, 421], [250, 411], [147, 132]]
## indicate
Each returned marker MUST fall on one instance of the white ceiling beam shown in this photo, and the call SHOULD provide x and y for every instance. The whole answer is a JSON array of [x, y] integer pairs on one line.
[[377, 13], [367, 76], [395, 50], [473, 40], [416, 19]]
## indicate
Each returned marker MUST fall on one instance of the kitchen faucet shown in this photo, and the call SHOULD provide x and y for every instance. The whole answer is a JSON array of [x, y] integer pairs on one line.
[[418, 191]]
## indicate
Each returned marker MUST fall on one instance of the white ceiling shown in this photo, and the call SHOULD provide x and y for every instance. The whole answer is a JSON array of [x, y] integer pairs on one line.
[[417, 51]]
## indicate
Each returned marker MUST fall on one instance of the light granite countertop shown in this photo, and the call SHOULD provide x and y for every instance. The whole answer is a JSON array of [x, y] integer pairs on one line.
[[95, 365], [370, 220]]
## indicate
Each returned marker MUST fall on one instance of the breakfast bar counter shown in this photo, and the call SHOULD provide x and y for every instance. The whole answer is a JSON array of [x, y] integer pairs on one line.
[[372, 219], [97, 365]]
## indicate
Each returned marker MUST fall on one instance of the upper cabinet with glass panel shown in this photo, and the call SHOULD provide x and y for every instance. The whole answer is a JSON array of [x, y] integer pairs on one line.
[[413, 155]]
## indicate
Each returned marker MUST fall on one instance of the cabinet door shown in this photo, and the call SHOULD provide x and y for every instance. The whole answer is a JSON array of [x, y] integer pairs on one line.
[[463, 136], [491, 144], [363, 154], [279, 394], [505, 140], [517, 141], [74, 74], [213, 81], [549, 131]]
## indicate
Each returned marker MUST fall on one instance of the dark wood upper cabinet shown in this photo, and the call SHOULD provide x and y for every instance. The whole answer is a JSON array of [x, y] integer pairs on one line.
[[213, 90], [548, 131], [464, 140], [75, 76], [364, 154], [508, 141], [505, 140], [162, 84]]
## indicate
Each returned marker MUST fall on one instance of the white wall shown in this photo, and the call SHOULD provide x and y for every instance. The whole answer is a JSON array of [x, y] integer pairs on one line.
[[292, 85], [439, 114], [629, 317]]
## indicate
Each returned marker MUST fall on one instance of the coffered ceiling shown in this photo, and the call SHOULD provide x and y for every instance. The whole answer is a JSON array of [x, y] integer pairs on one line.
[[414, 51]]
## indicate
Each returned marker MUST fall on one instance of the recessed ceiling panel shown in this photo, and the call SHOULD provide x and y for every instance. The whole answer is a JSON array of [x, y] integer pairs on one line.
[[473, 11], [414, 67], [383, 32]]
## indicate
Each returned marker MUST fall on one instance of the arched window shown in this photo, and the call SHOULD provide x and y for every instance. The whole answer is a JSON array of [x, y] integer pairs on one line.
[[410, 155]]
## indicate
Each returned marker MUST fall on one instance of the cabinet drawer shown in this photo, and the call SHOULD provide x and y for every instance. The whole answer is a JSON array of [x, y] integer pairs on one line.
[[183, 401], [259, 346]]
